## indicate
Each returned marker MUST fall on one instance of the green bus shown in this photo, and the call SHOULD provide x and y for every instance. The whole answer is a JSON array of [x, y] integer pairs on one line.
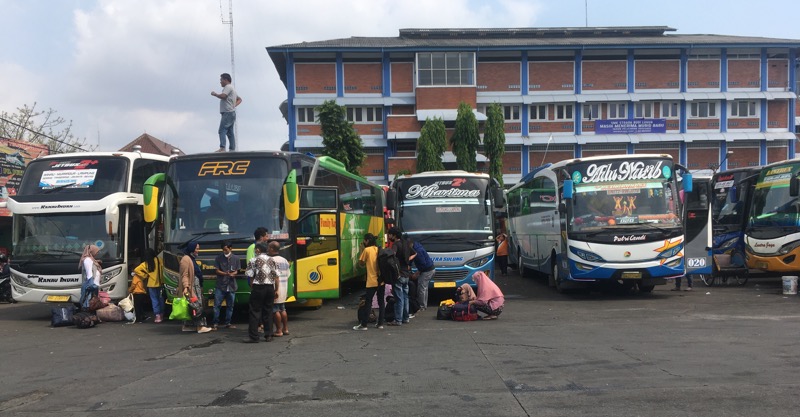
[[315, 208]]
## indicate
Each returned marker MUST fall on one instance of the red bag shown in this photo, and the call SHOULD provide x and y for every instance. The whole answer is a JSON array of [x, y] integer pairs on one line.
[[464, 312]]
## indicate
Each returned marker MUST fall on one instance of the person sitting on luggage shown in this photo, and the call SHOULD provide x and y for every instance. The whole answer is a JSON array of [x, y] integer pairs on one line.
[[489, 299]]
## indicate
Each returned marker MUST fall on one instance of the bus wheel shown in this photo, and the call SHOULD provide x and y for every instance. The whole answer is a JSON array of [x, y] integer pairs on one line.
[[708, 279], [523, 272], [646, 288], [551, 278], [738, 280]]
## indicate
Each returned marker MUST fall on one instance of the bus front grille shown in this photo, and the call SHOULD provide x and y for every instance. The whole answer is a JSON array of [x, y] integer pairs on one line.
[[445, 275]]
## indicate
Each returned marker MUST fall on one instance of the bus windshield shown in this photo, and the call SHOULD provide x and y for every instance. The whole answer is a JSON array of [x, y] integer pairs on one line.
[[225, 199], [772, 204], [70, 176], [600, 205], [63, 236]]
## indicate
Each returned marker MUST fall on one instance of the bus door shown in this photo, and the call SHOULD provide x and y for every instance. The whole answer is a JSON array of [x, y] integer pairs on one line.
[[317, 243], [698, 228]]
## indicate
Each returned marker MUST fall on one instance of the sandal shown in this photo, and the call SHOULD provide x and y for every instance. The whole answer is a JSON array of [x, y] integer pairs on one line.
[[277, 334], [286, 333], [490, 318]]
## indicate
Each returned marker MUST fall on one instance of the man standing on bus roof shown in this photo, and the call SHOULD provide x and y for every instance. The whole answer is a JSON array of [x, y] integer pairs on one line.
[[227, 265], [228, 100]]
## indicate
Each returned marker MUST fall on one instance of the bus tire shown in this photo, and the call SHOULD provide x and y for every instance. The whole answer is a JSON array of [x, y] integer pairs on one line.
[[646, 288], [523, 272], [551, 277]]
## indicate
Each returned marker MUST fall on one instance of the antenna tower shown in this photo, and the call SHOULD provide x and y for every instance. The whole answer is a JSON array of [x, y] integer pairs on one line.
[[229, 22]]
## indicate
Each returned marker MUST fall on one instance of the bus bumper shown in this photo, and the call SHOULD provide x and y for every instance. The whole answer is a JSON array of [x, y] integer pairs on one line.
[[582, 271], [789, 262]]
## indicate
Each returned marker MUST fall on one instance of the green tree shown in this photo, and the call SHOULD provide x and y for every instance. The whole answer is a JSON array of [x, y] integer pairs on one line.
[[494, 141], [466, 138], [431, 145], [339, 139], [43, 127]]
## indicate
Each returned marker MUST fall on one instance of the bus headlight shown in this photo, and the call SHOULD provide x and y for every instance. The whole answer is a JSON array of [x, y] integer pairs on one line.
[[586, 255], [669, 253], [21, 280], [477, 263], [788, 247], [108, 276], [674, 263]]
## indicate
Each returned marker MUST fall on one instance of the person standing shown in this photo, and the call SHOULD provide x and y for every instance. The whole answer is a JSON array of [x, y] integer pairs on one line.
[[405, 255], [501, 253], [90, 271], [190, 287], [259, 235], [150, 270], [263, 276], [369, 259], [426, 271], [139, 291], [227, 265], [280, 318], [228, 101]]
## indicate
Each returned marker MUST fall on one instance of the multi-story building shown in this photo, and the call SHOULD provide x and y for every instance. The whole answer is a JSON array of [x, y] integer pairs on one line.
[[565, 92]]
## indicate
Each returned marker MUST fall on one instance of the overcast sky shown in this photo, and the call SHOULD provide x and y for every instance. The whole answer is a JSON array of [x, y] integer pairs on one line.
[[120, 68]]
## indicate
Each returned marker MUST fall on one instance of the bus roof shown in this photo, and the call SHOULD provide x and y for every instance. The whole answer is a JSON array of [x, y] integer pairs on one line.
[[608, 158], [128, 155], [784, 162]]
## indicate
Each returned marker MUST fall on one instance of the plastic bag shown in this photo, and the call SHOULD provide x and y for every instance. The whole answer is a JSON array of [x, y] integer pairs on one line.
[[126, 303], [180, 309]]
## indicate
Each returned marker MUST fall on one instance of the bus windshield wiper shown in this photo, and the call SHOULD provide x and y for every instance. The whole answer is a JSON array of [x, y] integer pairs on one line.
[[197, 236], [59, 187]]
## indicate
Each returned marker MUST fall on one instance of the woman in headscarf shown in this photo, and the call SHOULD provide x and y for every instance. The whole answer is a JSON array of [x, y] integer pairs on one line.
[[489, 299], [90, 272], [190, 287]]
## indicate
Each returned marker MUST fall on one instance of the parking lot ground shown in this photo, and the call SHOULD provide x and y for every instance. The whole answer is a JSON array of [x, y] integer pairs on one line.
[[719, 351]]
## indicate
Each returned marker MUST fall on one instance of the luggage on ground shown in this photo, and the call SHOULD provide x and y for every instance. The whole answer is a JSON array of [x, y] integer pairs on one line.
[[62, 316], [464, 312], [111, 312]]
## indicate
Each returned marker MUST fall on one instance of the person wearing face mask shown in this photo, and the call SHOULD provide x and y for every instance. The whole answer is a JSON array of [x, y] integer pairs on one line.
[[227, 265]]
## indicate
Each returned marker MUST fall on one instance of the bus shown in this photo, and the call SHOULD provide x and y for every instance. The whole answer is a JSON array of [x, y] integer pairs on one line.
[[772, 235], [316, 209], [600, 220], [453, 214], [68, 201], [731, 197]]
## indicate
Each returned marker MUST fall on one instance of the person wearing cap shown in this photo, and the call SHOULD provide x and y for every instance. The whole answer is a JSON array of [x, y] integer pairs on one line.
[[190, 287]]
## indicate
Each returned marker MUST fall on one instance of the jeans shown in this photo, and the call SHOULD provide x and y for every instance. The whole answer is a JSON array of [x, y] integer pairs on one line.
[[423, 281], [262, 297], [688, 281], [226, 127], [156, 300], [228, 296], [88, 289], [400, 293]]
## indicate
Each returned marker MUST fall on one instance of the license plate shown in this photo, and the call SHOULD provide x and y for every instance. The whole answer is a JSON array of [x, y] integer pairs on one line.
[[631, 275], [57, 298], [444, 284]]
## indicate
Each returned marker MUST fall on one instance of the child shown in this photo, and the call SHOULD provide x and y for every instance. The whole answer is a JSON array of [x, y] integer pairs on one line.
[[139, 297], [150, 270]]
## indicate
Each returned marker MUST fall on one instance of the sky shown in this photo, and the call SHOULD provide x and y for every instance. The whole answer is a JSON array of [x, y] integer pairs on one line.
[[120, 68]]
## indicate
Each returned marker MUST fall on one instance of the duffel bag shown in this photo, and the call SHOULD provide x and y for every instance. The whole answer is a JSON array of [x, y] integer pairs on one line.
[[62, 316], [464, 312], [445, 312], [84, 320], [111, 312]]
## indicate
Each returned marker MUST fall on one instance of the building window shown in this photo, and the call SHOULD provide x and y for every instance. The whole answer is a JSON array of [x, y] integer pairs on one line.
[[364, 114], [703, 109], [446, 68], [591, 112], [643, 110], [744, 108], [563, 112], [539, 112], [617, 110], [306, 115], [670, 110], [511, 113]]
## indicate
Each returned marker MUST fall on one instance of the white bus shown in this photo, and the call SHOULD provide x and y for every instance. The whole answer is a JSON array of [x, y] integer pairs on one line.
[[607, 219], [452, 214], [68, 201]]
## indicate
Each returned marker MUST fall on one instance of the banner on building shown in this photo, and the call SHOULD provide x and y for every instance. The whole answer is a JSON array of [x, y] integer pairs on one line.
[[615, 127], [14, 157]]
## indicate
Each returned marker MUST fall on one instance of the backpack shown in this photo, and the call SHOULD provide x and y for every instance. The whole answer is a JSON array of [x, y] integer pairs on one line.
[[388, 268], [83, 320], [62, 316], [464, 312]]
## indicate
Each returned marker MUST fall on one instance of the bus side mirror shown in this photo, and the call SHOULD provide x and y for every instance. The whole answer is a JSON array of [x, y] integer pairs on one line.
[[794, 186], [291, 196], [499, 198], [687, 182], [150, 192], [568, 189], [391, 199]]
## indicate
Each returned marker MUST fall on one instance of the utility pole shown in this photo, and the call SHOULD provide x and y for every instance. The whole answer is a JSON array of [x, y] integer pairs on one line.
[[229, 22]]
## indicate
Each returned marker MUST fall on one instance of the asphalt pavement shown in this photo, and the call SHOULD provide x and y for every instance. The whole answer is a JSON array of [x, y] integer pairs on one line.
[[719, 351]]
